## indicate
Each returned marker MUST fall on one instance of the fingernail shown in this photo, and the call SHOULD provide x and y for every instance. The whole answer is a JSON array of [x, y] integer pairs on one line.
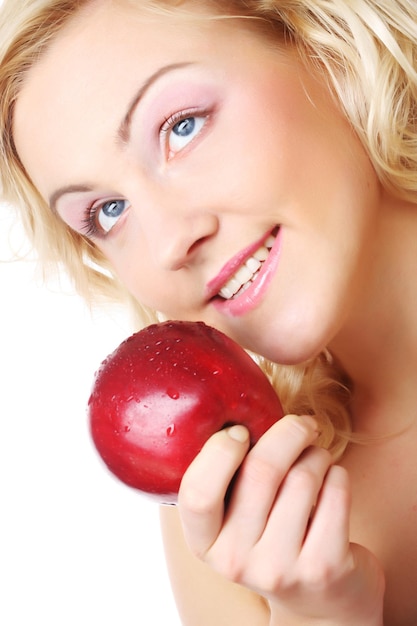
[[238, 433], [310, 421]]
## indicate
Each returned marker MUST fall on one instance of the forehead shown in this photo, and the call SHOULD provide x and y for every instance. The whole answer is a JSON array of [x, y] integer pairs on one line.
[[91, 69], [109, 32]]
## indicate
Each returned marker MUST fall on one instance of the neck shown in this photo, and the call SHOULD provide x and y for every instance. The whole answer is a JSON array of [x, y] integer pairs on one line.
[[378, 346]]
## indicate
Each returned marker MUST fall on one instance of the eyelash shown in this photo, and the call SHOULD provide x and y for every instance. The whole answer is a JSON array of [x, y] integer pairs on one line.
[[173, 119], [89, 221], [90, 229]]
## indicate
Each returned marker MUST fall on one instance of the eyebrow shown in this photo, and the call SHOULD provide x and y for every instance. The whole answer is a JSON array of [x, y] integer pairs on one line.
[[62, 191], [123, 132]]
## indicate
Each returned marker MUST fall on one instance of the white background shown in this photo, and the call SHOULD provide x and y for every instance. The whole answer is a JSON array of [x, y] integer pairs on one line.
[[76, 546]]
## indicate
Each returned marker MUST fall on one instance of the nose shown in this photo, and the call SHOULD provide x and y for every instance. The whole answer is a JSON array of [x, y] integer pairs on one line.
[[176, 230], [178, 241]]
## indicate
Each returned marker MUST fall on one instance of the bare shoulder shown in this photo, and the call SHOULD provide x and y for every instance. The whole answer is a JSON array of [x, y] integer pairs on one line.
[[203, 597]]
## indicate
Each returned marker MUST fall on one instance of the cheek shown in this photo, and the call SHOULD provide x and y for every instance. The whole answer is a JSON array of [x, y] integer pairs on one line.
[[281, 132], [146, 285]]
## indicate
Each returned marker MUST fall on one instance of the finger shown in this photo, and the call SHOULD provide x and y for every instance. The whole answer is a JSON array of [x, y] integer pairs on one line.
[[328, 535], [204, 486], [290, 516], [262, 473]]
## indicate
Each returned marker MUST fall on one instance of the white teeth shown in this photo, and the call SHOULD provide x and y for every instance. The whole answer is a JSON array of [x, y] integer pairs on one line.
[[253, 264], [245, 286], [254, 277], [248, 272], [261, 254], [230, 289], [243, 274]]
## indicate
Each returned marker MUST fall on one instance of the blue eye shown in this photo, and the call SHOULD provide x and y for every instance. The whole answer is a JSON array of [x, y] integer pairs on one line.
[[109, 213], [185, 127], [180, 129], [184, 131]]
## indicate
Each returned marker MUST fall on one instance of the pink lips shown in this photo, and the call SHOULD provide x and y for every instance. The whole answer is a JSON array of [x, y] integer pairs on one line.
[[249, 299]]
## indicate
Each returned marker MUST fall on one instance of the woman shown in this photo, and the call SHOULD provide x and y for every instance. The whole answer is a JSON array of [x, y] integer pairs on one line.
[[253, 165]]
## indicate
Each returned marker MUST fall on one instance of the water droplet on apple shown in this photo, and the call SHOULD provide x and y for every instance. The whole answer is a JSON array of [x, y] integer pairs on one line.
[[173, 393], [171, 430]]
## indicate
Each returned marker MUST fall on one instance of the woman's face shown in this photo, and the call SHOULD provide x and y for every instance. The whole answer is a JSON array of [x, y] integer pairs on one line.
[[181, 147]]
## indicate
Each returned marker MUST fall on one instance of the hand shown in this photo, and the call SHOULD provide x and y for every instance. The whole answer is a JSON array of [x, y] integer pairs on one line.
[[284, 531]]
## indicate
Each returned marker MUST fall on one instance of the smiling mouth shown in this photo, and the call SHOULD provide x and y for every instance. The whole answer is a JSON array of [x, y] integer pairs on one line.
[[248, 272]]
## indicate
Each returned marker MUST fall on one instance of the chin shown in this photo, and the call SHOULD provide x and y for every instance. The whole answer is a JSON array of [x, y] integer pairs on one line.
[[286, 347]]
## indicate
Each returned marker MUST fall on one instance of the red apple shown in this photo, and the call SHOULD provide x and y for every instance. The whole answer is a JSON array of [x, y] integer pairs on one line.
[[163, 392]]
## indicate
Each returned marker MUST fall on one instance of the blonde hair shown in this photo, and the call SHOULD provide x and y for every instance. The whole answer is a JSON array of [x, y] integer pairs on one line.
[[368, 51]]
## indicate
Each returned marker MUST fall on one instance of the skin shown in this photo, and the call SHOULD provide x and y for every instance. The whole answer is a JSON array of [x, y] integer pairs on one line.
[[289, 158], [183, 236]]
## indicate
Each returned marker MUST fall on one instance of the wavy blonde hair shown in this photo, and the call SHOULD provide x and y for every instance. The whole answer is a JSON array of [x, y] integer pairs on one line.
[[368, 51]]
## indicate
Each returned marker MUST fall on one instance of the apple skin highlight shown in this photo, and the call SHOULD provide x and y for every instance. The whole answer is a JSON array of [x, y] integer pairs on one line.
[[163, 392]]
